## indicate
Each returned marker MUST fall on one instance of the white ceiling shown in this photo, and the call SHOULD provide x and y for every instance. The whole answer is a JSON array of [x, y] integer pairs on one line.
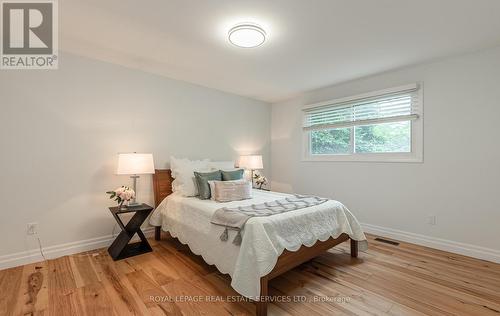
[[311, 43]]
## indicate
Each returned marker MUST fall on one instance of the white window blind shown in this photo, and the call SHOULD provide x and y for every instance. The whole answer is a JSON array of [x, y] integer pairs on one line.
[[394, 106]]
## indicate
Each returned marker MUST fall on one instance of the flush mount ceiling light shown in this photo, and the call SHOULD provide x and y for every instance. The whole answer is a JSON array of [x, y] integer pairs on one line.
[[247, 35]]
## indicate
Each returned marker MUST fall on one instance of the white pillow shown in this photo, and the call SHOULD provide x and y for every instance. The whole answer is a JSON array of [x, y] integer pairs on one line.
[[227, 191], [211, 183], [183, 173], [222, 165]]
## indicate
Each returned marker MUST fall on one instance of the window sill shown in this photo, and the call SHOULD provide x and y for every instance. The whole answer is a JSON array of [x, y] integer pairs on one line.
[[399, 158]]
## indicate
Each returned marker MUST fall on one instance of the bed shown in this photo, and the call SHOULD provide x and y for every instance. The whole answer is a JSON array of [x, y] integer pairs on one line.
[[270, 245]]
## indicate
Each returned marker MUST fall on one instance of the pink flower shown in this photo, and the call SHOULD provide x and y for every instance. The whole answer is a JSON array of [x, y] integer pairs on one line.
[[125, 193]]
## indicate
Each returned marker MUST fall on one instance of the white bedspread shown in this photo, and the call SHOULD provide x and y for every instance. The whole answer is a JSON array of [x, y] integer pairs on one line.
[[264, 238]]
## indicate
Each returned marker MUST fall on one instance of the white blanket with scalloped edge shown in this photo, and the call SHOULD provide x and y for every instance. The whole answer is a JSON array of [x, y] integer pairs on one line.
[[264, 238]]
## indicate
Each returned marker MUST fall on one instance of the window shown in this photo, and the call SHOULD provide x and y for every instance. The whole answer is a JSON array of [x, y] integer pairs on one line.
[[379, 126]]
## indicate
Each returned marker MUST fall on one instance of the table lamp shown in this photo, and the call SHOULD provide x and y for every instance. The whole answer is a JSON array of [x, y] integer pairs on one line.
[[251, 162], [134, 164]]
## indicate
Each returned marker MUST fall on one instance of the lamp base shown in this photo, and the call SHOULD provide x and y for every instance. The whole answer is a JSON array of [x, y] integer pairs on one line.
[[134, 202]]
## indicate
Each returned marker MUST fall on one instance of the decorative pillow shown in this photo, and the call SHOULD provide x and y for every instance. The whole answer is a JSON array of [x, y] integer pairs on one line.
[[221, 165], [211, 184], [202, 182], [227, 191], [232, 175], [183, 173]]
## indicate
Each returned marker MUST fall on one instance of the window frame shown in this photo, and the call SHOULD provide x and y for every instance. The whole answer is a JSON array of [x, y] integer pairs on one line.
[[417, 134]]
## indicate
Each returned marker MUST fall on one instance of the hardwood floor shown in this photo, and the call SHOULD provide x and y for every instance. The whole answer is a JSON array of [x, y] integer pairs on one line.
[[386, 280]]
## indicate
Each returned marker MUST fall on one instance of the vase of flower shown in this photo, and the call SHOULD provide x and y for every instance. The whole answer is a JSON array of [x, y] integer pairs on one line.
[[260, 180], [123, 205], [122, 196]]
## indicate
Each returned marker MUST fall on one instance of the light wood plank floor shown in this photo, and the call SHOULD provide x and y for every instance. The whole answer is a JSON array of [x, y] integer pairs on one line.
[[385, 280]]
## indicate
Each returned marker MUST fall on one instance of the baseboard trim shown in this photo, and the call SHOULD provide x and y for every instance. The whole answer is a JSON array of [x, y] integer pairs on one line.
[[436, 243], [52, 252]]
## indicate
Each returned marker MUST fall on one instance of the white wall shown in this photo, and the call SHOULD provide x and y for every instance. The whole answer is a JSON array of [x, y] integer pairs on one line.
[[459, 178], [60, 132]]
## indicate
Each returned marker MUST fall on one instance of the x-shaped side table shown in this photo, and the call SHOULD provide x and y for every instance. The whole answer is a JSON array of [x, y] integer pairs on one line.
[[120, 248]]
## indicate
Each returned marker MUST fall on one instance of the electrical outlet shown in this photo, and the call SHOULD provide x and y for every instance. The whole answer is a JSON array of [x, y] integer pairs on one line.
[[31, 228], [431, 220]]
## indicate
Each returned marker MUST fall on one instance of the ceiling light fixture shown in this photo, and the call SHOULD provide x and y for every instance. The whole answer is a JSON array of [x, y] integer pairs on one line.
[[247, 35]]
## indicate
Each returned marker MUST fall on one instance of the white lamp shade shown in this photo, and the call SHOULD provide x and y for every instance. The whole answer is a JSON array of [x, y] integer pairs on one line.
[[135, 164], [252, 162]]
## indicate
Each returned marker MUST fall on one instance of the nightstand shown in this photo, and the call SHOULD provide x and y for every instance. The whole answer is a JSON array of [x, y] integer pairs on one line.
[[120, 248]]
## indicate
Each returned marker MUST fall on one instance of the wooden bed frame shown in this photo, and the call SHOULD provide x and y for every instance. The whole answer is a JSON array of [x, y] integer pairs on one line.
[[162, 185]]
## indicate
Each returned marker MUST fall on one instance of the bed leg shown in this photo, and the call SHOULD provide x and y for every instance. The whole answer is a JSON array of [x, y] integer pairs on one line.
[[262, 303], [354, 248], [157, 232]]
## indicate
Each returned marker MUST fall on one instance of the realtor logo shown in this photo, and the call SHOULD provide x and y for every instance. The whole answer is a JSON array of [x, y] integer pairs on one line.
[[29, 35]]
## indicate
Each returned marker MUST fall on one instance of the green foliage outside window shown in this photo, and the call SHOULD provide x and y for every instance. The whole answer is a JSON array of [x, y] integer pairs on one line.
[[379, 138], [331, 141]]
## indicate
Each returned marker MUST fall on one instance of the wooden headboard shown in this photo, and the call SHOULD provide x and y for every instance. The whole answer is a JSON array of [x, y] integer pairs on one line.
[[162, 184]]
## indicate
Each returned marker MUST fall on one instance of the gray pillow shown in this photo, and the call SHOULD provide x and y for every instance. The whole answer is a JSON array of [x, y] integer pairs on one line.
[[232, 175], [201, 179]]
